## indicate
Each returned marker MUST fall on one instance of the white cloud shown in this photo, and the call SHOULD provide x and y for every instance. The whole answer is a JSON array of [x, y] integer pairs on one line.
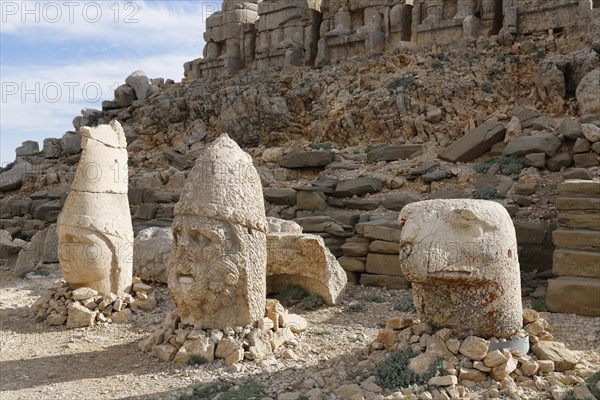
[[41, 99], [141, 24]]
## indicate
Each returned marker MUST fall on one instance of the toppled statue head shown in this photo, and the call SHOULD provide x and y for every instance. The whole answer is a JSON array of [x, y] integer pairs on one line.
[[94, 228], [217, 274], [461, 258]]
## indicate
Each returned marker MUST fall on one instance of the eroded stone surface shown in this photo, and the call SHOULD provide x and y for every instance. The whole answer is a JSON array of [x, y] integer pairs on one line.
[[305, 261], [94, 228], [217, 274], [461, 258]]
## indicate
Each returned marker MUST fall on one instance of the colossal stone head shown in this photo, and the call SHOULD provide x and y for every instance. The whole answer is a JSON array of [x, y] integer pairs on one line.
[[461, 257], [94, 228], [217, 274]]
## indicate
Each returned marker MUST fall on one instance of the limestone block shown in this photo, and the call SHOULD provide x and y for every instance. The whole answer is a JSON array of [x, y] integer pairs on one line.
[[563, 358], [140, 84], [384, 233], [353, 264], [579, 219], [383, 247], [576, 263], [94, 229], [217, 273], [383, 264], [574, 295], [579, 188], [152, 254], [28, 148], [306, 159], [305, 261], [544, 143], [393, 152], [581, 239], [588, 93], [461, 257], [13, 178], [474, 143]]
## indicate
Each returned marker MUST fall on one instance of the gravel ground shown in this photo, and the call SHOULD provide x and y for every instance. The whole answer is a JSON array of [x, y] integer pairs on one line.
[[42, 362]]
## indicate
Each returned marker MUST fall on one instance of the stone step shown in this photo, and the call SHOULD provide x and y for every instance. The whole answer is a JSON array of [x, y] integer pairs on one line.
[[574, 203], [579, 188], [384, 264], [576, 263], [574, 295], [579, 219], [581, 239]]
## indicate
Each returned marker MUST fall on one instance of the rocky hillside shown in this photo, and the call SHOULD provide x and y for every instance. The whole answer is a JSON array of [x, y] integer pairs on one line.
[[352, 142]]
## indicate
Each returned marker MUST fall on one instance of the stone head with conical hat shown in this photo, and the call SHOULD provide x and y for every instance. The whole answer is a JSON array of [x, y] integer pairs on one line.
[[94, 228], [217, 274]]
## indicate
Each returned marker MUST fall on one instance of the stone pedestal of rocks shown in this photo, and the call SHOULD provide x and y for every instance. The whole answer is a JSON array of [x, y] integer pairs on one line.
[[287, 33], [461, 258], [94, 229], [230, 39], [577, 254]]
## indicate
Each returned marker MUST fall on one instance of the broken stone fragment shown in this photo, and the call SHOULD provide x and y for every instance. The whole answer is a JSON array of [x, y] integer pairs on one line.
[[79, 316]]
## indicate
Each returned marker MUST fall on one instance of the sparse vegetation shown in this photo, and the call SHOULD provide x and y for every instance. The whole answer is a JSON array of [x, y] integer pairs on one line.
[[405, 304], [487, 87], [40, 272], [373, 298], [592, 384], [487, 193], [197, 360], [311, 302], [356, 307], [393, 373], [539, 304], [291, 295], [402, 82], [321, 332], [508, 165], [226, 391]]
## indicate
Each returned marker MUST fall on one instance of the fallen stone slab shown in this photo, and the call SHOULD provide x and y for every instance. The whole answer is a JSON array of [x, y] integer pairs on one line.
[[545, 143], [13, 178], [304, 260], [357, 186], [474, 143], [306, 159]]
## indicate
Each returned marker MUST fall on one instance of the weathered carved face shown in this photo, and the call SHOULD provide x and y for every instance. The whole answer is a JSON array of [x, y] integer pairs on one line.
[[211, 270], [82, 247]]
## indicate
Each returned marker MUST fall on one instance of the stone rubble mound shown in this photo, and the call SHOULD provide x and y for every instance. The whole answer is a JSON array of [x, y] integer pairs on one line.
[[187, 344], [496, 364], [84, 307]]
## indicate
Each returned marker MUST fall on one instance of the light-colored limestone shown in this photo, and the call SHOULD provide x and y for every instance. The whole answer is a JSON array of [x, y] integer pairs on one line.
[[305, 261], [217, 274], [461, 257], [94, 228], [152, 253]]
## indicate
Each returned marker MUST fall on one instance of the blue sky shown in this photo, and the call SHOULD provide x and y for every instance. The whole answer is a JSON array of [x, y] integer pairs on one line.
[[58, 57]]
